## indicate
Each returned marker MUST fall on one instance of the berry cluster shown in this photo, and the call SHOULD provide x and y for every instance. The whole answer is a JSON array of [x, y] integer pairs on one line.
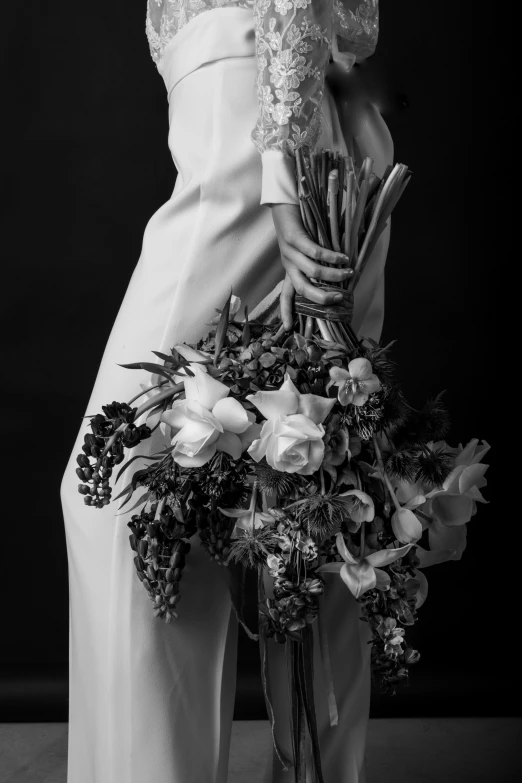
[[160, 545], [112, 432]]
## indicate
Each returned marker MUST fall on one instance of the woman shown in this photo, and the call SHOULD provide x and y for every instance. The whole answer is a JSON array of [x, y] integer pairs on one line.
[[151, 701]]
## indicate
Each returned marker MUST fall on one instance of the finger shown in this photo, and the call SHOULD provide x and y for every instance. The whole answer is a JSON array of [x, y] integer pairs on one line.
[[287, 303], [303, 243], [311, 269], [304, 287]]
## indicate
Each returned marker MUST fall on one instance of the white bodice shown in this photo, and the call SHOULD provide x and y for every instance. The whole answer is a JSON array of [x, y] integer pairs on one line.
[[294, 40]]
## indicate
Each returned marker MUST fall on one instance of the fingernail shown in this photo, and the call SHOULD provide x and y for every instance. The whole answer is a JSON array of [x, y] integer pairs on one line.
[[338, 298], [344, 259], [347, 272]]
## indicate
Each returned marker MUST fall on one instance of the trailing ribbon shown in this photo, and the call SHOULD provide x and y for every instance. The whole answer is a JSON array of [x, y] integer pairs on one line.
[[236, 574], [266, 681], [327, 668]]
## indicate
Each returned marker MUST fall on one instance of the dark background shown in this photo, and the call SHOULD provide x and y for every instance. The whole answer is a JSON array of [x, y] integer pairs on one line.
[[85, 164]]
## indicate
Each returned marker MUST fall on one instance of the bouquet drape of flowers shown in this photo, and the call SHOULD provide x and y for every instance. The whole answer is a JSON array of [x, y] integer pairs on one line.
[[295, 454]]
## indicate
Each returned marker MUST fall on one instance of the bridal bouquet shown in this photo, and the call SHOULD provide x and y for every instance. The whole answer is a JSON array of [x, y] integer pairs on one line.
[[295, 455]]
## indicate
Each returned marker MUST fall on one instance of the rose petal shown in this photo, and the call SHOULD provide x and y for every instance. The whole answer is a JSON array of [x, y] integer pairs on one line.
[[315, 407], [251, 434], [196, 461], [231, 414], [194, 432], [274, 403], [230, 444], [204, 388], [191, 355]]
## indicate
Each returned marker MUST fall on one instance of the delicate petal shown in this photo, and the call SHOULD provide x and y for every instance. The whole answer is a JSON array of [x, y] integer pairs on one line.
[[472, 476], [364, 510], [250, 435], [343, 549], [345, 394], [358, 578], [383, 579], [229, 443], [204, 388], [417, 500], [420, 585], [359, 398], [191, 355], [274, 403], [429, 557], [298, 426], [386, 556], [370, 385], [330, 568], [315, 407], [360, 369], [406, 526], [339, 374], [195, 432], [231, 414], [469, 454], [176, 416], [315, 457], [453, 510], [442, 537]]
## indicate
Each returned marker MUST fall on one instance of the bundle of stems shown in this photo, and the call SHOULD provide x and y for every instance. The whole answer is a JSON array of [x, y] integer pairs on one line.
[[345, 207]]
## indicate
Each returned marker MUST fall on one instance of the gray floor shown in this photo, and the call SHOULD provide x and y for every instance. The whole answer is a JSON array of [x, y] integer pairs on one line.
[[420, 750]]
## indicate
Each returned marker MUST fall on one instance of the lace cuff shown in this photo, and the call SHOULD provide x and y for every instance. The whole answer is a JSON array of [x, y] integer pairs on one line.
[[278, 185]]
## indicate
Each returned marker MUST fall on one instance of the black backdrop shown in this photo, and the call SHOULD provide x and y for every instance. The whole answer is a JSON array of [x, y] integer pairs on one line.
[[85, 164]]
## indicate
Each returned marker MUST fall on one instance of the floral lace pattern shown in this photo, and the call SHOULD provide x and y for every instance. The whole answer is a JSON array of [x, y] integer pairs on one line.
[[293, 40]]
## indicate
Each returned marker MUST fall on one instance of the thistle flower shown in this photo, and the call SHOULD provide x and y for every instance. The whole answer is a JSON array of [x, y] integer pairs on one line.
[[253, 546], [270, 481]]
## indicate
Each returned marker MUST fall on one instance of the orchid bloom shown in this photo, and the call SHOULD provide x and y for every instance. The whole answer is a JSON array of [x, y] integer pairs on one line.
[[356, 383], [248, 519], [447, 510], [208, 420], [291, 438], [360, 508], [418, 586], [363, 573]]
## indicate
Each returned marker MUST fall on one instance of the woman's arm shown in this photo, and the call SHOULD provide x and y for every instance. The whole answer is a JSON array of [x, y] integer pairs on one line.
[[293, 44]]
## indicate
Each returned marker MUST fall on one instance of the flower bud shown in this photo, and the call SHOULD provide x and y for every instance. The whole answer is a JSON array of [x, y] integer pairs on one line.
[[83, 489]]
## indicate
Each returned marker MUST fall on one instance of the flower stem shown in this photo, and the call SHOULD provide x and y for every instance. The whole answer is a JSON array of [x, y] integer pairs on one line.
[[161, 506], [384, 474], [165, 394]]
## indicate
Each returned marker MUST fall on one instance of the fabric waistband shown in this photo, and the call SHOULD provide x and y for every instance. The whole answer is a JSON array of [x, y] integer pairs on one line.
[[212, 35]]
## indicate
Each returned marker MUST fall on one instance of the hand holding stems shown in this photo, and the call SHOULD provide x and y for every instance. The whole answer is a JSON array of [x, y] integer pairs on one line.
[[302, 259]]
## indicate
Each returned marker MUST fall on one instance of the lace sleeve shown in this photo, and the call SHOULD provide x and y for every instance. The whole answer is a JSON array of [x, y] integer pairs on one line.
[[293, 45]]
